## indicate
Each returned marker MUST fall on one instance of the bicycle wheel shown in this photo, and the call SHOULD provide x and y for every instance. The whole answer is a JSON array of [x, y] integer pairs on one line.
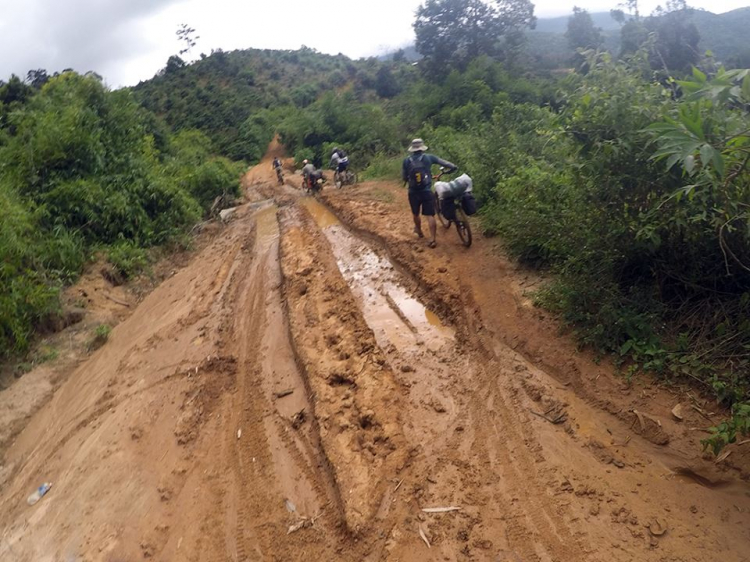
[[338, 180], [464, 232], [445, 222]]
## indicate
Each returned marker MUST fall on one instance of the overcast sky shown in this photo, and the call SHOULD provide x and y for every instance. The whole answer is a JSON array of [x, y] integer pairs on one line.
[[130, 40]]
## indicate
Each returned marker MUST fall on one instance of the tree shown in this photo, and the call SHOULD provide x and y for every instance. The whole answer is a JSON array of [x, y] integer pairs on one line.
[[15, 91], [37, 78], [581, 33], [674, 46], [174, 64], [677, 38], [454, 32], [386, 85], [186, 34]]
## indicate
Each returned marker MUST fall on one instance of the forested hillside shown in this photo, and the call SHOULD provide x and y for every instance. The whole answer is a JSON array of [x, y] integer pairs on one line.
[[725, 35], [86, 170], [237, 97]]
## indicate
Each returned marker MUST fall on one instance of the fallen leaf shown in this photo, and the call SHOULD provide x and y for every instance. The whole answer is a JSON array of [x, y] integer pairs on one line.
[[301, 524], [640, 420], [722, 457], [424, 537], [677, 412]]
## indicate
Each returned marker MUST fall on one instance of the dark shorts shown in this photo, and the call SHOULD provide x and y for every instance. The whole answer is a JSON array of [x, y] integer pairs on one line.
[[343, 166], [424, 199]]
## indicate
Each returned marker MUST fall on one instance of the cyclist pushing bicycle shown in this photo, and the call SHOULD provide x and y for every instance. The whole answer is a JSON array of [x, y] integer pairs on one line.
[[417, 172]]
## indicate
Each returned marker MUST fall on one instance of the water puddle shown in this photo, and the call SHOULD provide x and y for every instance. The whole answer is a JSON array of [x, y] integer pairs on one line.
[[322, 216], [393, 314], [267, 226]]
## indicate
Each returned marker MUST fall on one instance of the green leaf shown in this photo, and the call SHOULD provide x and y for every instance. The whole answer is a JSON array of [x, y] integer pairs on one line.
[[698, 75], [689, 164], [626, 347], [672, 161], [718, 161]]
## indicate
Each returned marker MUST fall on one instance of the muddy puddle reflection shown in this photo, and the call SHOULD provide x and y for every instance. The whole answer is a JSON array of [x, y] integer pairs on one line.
[[391, 311], [267, 226]]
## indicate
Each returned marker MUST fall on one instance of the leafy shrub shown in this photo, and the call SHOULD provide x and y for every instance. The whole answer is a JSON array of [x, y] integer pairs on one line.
[[100, 336], [26, 296], [127, 258], [383, 166], [211, 179], [85, 168], [303, 154]]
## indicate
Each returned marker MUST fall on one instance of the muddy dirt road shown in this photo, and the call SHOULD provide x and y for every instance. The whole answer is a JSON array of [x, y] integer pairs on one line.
[[317, 384]]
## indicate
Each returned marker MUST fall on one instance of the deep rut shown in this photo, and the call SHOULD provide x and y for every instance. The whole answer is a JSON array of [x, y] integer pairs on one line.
[[279, 472], [436, 371]]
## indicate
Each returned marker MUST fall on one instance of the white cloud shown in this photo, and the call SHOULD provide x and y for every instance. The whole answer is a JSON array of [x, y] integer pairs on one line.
[[130, 40]]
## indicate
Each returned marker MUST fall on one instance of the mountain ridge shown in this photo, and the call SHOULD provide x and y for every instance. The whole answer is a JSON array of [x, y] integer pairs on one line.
[[723, 34]]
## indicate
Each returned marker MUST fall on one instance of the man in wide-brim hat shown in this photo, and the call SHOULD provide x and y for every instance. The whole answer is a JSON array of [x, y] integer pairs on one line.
[[417, 172]]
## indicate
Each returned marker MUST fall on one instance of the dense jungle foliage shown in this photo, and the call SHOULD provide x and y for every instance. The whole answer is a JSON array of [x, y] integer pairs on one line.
[[625, 176], [82, 170]]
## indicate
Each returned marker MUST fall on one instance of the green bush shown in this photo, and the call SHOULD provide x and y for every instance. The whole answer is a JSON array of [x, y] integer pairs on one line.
[[211, 179], [383, 166], [128, 259], [100, 336], [85, 168], [301, 155]]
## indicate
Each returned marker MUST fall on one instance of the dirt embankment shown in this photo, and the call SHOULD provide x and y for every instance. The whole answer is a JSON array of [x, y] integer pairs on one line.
[[325, 386]]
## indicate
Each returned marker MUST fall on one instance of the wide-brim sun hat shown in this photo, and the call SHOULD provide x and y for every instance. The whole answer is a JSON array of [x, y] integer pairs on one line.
[[417, 145]]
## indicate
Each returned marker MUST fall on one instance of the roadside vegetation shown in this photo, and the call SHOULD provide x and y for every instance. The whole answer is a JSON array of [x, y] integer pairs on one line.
[[84, 170], [624, 172]]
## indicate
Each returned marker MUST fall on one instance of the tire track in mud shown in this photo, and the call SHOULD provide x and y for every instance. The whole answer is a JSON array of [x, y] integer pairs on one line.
[[536, 531], [270, 461], [346, 372], [536, 528]]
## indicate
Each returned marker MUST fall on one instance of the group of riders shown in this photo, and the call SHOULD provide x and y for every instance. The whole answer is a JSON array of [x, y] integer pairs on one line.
[[416, 171], [310, 175]]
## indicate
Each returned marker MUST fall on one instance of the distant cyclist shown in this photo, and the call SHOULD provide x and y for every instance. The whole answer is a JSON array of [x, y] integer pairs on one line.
[[339, 160], [278, 169], [310, 174], [417, 172], [307, 169]]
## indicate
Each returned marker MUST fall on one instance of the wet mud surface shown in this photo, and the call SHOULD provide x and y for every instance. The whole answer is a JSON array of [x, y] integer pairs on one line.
[[315, 385]]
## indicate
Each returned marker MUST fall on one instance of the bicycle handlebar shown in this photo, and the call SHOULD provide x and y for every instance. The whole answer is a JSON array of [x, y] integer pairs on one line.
[[443, 171]]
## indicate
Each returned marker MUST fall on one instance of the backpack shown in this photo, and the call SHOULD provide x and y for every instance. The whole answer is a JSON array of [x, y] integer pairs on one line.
[[419, 172]]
